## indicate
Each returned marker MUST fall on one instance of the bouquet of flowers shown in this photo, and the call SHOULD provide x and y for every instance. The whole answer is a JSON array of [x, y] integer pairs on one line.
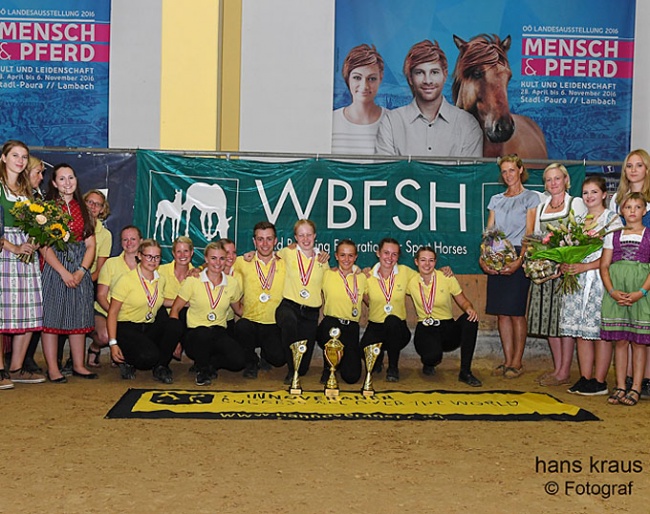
[[496, 250], [44, 222], [566, 243]]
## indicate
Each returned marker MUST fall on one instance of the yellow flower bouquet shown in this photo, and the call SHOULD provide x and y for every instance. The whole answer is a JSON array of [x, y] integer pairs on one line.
[[44, 222]]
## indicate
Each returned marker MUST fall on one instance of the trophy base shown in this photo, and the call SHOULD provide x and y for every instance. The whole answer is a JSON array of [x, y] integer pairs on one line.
[[367, 393], [295, 391], [331, 393]]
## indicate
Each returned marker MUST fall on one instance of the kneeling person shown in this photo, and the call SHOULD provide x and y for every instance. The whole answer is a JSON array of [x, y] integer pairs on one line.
[[262, 281], [209, 297], [437, 331]]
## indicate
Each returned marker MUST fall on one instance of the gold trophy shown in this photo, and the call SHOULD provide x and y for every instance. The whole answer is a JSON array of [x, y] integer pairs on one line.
[[333, 354], [298, 349], [371, 351]]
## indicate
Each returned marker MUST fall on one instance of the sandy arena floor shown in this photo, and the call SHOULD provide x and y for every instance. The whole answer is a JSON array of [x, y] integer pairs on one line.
[[61, 455]]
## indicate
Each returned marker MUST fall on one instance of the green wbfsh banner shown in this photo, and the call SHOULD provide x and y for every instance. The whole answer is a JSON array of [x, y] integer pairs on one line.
[[418, 204]]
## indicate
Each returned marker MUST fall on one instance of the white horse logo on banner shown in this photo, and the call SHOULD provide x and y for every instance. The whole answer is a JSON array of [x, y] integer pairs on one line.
[[173, 211], [209, 200]]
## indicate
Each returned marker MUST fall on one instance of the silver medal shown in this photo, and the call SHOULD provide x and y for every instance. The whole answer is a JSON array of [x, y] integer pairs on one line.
[[212, 316], [355, 312], [388, 308], [265, 297], [149, 316], [304, 294], [427, 322]]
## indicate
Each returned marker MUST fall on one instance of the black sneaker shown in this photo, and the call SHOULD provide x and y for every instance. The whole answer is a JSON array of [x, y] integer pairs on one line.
[[203, 378], [289, 378], [163, 374], [392, 374], [127, 372], [428, 370], [593, 388], [469, 379], [29, 364], [324, 376], [645, 389], [265, 365], [578, 386], [250, 371], [628, 383], [66, 369]]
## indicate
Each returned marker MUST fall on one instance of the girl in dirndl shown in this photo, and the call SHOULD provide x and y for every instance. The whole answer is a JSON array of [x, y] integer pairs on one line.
[[625, 319]]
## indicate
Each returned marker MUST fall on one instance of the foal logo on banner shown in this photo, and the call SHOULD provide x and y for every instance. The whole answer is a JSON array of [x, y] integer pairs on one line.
[[199, 207]]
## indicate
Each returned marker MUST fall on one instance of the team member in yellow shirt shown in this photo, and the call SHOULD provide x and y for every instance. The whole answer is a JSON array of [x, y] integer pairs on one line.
[[112, 270], [175, 273], [136, 323], [209, 296], [437, 331], [262, 281], [386, 306], [98, 208], [297, 314], [229, 270], [343, 290]]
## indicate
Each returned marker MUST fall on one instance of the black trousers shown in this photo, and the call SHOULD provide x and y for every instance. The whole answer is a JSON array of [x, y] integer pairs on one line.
[[350, 365], [394, 335], [252, 335], [297, 323], [147, 345], [212, 346], [431, 342]]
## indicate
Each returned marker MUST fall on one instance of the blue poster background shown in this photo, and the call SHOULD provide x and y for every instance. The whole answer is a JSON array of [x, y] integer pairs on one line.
[[61, 102], [574, 131]]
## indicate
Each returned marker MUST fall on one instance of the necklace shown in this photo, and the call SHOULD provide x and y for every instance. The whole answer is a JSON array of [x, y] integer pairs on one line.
[[558, 205]]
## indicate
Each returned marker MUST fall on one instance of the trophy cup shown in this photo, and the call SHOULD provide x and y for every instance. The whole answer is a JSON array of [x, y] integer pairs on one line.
[[371, 352], [298, 349], [333, 354]]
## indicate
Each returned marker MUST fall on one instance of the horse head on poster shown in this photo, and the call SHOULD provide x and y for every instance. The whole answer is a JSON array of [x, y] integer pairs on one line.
[[480, 87]]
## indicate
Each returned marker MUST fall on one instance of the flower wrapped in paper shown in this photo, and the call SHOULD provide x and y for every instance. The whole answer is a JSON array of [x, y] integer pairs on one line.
[[44, 222], [566, 243], [496, 250]]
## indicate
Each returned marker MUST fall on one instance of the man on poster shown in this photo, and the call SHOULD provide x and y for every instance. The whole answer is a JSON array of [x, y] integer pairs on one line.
[[429, 125]]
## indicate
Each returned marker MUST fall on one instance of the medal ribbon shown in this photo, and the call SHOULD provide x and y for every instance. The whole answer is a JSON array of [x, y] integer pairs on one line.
[[304, 277], [353, 294], [151, 298], [427, 303], [265, 281], [213, 302], [388, 294]]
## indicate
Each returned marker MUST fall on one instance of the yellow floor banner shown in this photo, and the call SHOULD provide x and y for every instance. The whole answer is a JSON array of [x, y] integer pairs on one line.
[[315, 406]]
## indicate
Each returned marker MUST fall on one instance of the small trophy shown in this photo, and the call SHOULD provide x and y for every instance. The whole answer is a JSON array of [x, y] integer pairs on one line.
[[371, 351], [333, 354], [298, 349]]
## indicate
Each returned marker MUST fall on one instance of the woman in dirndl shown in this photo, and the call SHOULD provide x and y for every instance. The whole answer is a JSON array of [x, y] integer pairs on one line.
[[67, 285], [21, 304]]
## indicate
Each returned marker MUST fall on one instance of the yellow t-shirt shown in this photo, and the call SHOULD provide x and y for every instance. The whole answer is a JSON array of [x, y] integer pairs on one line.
[[172, 285], [292, 284], [130, 291], [103, 243], [377, 300], [249, 281], [337, 301], [193, 290], [110, 273], [446, 289]]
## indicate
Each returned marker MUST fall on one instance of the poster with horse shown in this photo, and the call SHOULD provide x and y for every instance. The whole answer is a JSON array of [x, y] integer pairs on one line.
[[543, 78]]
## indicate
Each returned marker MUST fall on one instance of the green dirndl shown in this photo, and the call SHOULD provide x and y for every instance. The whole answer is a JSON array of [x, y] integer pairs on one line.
[[619, 323]]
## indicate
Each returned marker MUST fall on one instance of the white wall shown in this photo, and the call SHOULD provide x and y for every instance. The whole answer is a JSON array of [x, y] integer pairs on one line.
[[641, 89], [134, 93], [286, 76]]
